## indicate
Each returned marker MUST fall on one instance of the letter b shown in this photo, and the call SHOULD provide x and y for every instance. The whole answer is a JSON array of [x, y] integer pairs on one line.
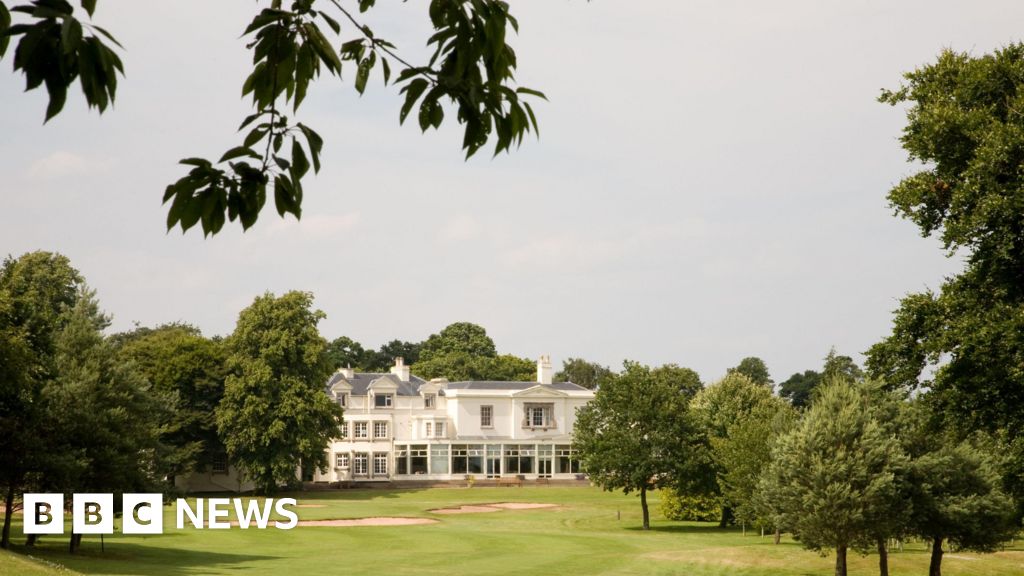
[[44, 514], [92, 513]]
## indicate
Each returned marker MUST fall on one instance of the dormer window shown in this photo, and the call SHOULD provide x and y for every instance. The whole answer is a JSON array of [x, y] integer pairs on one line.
[[343, 400], [429, 400], [383, 400]]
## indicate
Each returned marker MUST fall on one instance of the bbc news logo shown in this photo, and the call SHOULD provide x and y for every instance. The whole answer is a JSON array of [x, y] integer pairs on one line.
[[143, 513]]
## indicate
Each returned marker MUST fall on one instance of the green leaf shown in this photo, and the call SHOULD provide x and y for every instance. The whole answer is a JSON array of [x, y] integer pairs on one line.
[[330, 22], [300, 165], [70, 35], [238, 152], [531, 92], [387, 70], [363, 72], [90, 6], [412, 91], [108, 35], [5, 24]]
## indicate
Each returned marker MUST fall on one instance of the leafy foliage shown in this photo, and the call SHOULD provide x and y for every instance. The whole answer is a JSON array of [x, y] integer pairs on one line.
[[472, 67], [590, 375], [460, 337], [754, 368], [459, 366], [55, 49], [689, 507], [799, 388], [189, 370], [275, 415], [965, 343], [832, 479], [744, 422], [638, 434]]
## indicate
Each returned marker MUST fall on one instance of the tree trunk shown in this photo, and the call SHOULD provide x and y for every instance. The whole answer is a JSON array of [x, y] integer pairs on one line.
[[727, 517], [5, 541], [778, 536], [935, 568], [643, 504], [883, 558], [841, 561], [74, 543]]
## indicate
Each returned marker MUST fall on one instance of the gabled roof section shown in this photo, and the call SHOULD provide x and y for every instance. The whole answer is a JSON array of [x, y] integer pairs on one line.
[[540, 391], [360, 383]]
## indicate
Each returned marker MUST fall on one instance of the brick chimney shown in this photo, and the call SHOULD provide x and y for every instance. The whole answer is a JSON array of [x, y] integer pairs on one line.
[[347, 372], [544, 370], [400, 369]]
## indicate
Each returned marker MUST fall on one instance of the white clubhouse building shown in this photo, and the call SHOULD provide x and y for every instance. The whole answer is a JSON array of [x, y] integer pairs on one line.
[[400, 427]]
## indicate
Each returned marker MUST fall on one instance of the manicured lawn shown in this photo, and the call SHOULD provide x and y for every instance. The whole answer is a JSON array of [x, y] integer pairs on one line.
[[582, 536]]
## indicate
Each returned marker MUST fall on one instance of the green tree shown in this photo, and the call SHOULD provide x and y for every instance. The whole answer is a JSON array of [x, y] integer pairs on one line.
[[957, 497], [686, 380], [638, 434], [965, 343], [799, 388], [833, 477], [471, 69], [839, 366], [460, 366], [343, 352], [103, 418], [274, 415], [716, 408], [460, 337], [36, 291], [189, 370], [408, 351], [586, 374], [754, 368]]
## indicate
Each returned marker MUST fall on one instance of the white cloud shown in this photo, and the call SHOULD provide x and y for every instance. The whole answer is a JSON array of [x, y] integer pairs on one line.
[[460, 228], [63, 164]]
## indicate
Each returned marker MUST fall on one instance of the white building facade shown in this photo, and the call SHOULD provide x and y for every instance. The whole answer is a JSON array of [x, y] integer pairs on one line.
[[401, 427]]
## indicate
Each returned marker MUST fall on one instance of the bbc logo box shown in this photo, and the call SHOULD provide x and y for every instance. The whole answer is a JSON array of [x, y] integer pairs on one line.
[[93, 514]]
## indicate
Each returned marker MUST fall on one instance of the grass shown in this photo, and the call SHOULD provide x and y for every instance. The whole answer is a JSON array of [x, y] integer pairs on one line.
[[585, 535]]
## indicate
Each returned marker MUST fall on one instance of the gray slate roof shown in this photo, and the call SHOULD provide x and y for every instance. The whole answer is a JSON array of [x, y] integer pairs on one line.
[[360, 382], [499, 385]]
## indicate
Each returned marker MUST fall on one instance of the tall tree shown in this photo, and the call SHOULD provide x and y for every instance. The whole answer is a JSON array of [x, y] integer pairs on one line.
[[104, 419], [586, 374], [754, 368], [957, 498], [36, 291], [190, 371], [833, 478], [965, 343], [408, 351], [799, 388], [344, 352], [471, 68], [743, 420], [460, 337], [638, 434], [839, 366], [275, 415], [460, 366]]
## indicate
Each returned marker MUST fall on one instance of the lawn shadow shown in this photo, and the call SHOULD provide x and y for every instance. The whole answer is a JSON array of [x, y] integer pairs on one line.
[[123, 558]]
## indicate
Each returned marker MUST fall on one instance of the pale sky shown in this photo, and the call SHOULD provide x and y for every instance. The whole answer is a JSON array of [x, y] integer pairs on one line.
[[709, 183]]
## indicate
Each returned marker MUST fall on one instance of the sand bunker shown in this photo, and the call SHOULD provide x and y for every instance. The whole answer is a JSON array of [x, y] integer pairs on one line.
[[495, 507], [376, 521]]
